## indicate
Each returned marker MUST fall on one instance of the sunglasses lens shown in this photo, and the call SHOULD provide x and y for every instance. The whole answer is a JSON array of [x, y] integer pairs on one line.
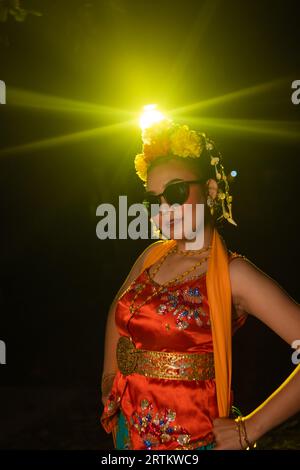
[[177, 193]]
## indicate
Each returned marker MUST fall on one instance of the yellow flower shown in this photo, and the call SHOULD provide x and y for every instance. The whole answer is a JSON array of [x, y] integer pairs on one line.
[[156, 149], [167, 138], [157, 132], [185, 142], [156, 140], [141, 166]]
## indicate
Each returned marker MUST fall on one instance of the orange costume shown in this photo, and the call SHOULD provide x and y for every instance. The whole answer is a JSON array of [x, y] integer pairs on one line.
[[174, 356]]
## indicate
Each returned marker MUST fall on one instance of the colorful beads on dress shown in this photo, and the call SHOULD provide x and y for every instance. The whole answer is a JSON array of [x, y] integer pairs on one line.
[[186, 305], [157, 428], [111, 405], [139, 286]]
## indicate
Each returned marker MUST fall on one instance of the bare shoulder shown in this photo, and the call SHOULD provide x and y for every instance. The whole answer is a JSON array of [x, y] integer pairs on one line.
[[137, 266], [248, 282], [240, 265], [243, 273], [242, 269], [257, 293]]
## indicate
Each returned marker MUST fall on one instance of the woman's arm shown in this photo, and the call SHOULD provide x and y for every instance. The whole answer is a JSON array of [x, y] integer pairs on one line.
[[111, 332], [256, 293]]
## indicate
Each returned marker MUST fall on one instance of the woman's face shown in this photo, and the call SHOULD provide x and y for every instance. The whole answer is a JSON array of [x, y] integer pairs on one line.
[[177, 222]]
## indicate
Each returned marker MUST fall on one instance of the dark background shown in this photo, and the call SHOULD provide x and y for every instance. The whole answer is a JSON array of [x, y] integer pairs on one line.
[[57, 279]]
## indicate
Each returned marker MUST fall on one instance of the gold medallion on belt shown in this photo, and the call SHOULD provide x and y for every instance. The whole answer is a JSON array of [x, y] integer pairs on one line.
[[126, 357]]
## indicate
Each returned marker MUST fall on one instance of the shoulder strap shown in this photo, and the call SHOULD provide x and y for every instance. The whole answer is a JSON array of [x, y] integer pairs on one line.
[[233, 254]]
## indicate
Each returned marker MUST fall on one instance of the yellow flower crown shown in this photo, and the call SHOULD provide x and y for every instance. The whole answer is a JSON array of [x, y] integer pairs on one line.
[[166, 138]]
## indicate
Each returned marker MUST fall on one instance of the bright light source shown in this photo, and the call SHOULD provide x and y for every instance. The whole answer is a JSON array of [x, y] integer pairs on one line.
[[233, 173], [150, 116]]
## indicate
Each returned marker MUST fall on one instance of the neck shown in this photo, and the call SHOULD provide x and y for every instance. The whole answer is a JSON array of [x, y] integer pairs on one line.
[[208, 231]]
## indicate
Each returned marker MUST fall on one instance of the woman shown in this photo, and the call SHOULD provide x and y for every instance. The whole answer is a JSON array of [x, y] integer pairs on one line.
[[167, 369]]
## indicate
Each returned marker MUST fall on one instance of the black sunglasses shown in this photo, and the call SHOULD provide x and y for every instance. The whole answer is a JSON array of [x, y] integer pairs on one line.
[[176, 192]]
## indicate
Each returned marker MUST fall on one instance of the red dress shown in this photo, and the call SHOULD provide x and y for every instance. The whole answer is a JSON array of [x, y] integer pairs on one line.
[[166, 413]]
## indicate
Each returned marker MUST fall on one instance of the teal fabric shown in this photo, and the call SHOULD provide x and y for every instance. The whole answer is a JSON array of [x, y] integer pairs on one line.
[[122, 436], [208, 447]]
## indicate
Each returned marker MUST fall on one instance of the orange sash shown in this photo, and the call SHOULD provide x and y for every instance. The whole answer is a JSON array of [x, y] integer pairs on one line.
[[219, 298]]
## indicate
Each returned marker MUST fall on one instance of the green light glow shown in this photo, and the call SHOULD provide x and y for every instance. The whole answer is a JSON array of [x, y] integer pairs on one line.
[[65, 139]]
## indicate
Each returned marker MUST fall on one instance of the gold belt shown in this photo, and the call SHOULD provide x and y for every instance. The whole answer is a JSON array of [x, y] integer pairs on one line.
[[165, 365]]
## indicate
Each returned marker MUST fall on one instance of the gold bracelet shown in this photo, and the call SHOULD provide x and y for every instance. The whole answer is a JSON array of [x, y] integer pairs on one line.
[[240, 420], [248, 443], [238, 428]]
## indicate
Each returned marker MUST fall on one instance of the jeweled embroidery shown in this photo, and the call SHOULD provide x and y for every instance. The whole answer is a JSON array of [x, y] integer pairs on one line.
[[157, 428], [111, 405]]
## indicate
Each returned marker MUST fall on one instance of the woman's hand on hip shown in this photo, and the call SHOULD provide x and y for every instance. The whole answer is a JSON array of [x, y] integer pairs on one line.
[[227, 434]]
